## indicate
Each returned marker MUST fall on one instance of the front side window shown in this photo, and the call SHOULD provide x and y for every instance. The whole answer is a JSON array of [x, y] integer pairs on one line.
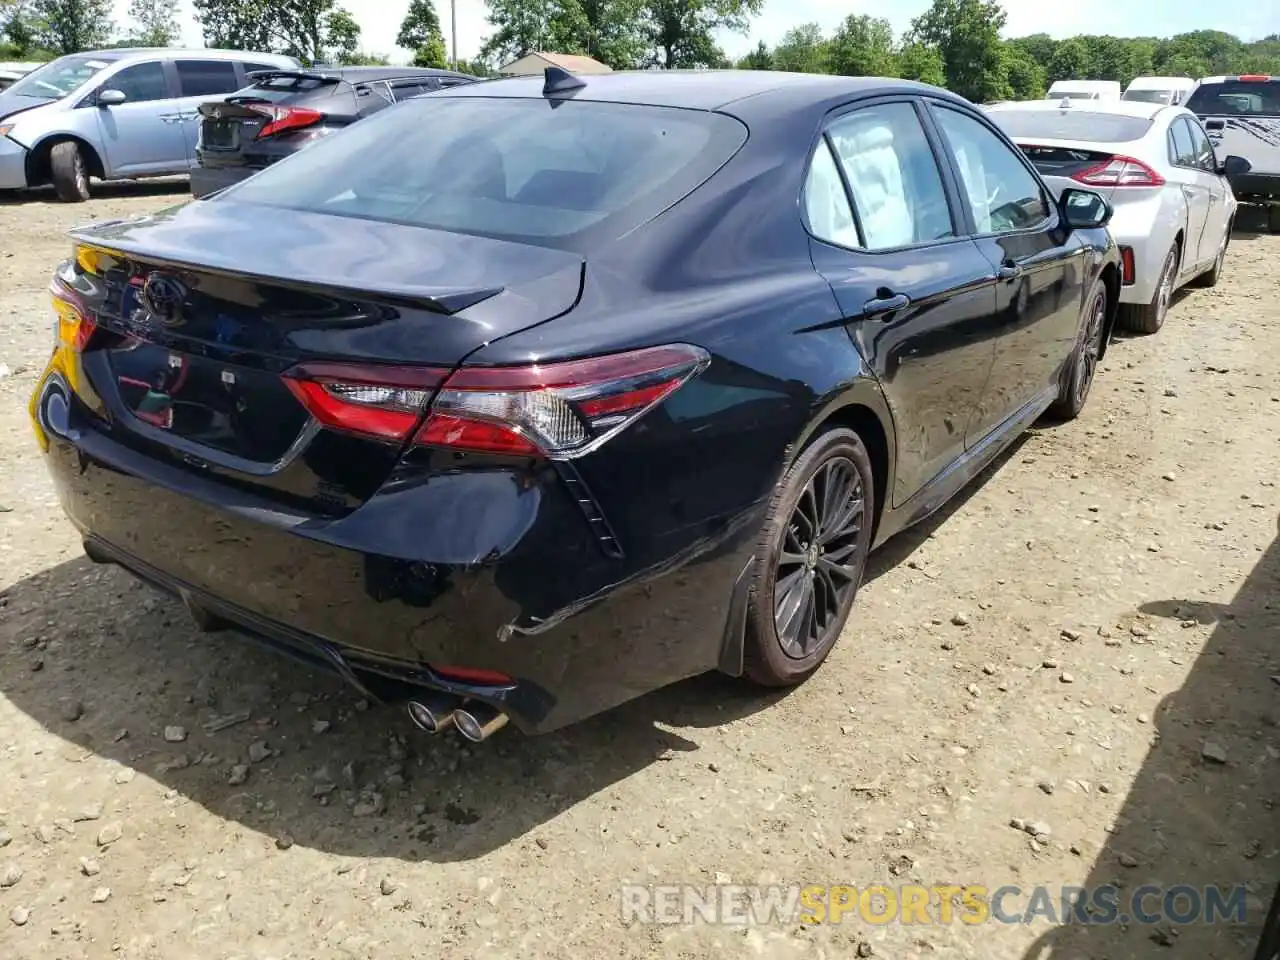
[[1184, 154], [141, 82], [564, 173], [897, 189], [1003, 194], [200, 78], [1201, 148], [826, 205]]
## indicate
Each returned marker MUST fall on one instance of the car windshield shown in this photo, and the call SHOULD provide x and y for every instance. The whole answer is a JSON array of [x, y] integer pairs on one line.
[[1149, 96], [1085, 125], [1072, 95], [1250, 98], [559, 173], [55, 80]]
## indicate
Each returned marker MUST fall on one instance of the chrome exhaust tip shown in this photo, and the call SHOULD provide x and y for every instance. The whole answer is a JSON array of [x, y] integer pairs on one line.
[[478, 721], [432, 712]]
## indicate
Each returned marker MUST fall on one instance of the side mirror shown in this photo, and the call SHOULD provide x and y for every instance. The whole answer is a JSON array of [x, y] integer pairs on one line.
[[1084, 209], [1234, 166], [111, 98]]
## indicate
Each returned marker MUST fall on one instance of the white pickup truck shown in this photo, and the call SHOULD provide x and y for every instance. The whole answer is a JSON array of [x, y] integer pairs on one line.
[[1242, 117]]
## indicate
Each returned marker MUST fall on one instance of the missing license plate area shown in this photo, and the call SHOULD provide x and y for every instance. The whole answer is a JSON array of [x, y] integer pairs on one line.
[[221, 134]]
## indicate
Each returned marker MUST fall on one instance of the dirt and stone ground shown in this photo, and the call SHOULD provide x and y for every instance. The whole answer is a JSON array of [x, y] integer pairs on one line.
[[1088, 642]]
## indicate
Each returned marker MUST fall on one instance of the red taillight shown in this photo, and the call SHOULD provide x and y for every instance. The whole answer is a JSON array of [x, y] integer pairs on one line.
[[1119, 171], [378, 401], [557, 410], [1255, 78], [280, 119], [1126, 266], [561, 410]]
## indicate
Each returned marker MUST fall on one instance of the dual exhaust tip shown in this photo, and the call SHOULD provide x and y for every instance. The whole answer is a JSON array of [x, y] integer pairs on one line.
[[434, 712]]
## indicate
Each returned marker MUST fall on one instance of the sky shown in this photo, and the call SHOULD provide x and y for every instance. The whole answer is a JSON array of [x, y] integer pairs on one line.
[[380, 20]]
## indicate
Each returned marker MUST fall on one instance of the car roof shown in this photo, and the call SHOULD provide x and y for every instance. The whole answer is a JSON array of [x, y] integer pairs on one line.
[[365, 74], [706, 89], [203, 53], [1122, 108]]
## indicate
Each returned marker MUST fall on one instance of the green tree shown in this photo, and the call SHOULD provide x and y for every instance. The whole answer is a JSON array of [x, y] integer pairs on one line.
[[1071, 61], [1026, 76], [966, 33], [420, 26], [681, 33], [341, 35], [803, 49], [758, 59], [156, 22], [519, 27], [478, 67], [68, 26], [432, 54], [237, 24], [362, 58], [862, 46], [1038, 47], [915, 61], [611, 31]]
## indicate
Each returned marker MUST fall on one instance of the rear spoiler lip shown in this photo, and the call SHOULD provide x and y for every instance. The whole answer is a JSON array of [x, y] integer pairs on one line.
[[447, 301], [257, 75]]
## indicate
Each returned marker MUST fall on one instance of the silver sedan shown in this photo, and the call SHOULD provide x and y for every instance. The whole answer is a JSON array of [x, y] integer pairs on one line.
[[1174, 207]]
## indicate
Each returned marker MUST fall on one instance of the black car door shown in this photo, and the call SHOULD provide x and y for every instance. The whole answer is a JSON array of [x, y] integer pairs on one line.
[[1041, 268], [916, 294]]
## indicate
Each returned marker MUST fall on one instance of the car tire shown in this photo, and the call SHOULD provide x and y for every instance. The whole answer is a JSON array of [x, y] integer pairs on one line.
[[1082, 366], [1149, 317], [803, 581], [1211, 276], [70, 175]]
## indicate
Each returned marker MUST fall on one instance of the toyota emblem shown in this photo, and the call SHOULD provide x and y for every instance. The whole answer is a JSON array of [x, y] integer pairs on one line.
[[164, 296]]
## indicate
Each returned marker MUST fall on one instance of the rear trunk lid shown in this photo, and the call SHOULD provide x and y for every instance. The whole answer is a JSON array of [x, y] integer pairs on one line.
[[230, 129], [192, 345]]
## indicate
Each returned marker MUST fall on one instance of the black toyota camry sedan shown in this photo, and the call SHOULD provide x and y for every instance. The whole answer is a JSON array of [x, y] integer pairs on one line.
[[518, 400]]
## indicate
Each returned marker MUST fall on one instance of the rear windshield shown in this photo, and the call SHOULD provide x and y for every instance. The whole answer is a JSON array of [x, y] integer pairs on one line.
[[1070, 124], [564, 173], [1149, 96], [1250, 98], [276, 89], [55, 80]]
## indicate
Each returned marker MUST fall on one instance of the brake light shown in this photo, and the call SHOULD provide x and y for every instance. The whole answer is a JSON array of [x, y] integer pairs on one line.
[[74, 326], [559, 410], [556, 410], [378, 401], [280, 119], [1119, 171], [1255, 78]]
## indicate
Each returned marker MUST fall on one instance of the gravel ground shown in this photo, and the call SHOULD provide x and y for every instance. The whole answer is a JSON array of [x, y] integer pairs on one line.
[[1088, 641]]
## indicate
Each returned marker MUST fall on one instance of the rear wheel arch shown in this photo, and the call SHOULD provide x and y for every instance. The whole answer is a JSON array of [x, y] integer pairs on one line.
[[39, 168]]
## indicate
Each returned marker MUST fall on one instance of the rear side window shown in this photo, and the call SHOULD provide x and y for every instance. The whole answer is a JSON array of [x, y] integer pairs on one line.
[[199, 78], [1250, 98], [1002, 193], [1070, 124], [897, 190], [826, 205], [140, 82], [567, 173], [407, 89]]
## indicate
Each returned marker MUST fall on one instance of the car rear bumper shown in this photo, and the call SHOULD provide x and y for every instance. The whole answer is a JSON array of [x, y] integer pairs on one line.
[[13, 165], [347, 597], [207, 180]]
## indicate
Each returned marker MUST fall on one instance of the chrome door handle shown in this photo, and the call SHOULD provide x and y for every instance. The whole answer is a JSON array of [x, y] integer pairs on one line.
[[1009, 272], [889, 304]]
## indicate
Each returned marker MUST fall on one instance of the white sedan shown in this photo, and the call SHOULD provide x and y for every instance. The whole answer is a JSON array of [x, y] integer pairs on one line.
[[1173, 205]]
